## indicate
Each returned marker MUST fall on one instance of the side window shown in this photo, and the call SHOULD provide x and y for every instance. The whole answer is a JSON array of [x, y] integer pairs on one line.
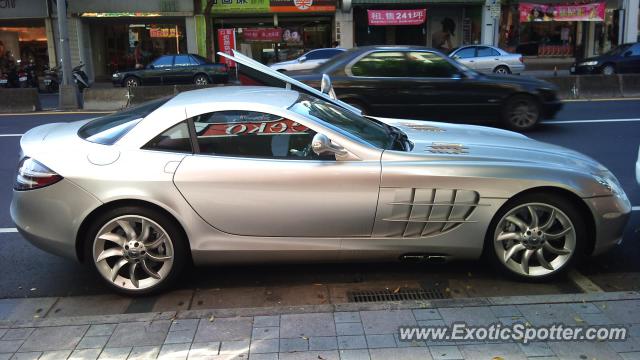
[[428, 64], [466, 53], [163, 61], [635, 50], [315, 55], [176, 139], [381, 64], [195, 60], [253, 134], [487, 51], [322, 54], [182, 60]]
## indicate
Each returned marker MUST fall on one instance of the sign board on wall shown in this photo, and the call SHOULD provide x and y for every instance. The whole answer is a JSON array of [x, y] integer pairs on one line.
[[267, 6], [23, 9], [298, 6], [227, 42], [539, 12], [396, 17], [240, 7]]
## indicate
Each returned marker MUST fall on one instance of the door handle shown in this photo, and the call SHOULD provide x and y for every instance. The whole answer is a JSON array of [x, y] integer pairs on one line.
[[167, 69]]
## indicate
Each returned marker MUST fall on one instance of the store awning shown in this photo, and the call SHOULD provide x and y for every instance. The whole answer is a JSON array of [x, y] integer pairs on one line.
[[414, 2]]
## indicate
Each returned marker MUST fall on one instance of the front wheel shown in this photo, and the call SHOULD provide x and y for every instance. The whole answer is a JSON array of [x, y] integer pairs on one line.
[[200, 80], [136, 250], [502, 70], [536, 237], [521, 113], [131, 82]]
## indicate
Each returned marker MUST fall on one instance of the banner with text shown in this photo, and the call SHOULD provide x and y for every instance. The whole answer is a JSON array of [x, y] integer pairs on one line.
[[396, 17], [584, 12], [227, 42]]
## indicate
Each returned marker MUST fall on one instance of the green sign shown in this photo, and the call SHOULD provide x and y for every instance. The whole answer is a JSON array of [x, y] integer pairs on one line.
[[239, 6]]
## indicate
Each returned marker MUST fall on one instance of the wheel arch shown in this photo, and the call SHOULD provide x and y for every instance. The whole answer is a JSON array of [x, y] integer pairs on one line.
[[128, 76], [574, 198], [505, 65], [204, 74], [84, 226]]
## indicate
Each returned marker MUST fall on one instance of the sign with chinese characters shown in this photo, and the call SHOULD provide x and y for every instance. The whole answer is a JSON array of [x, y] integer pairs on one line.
[[276, 127], [227, 42], [397, 17], [240, 6], [262, 34], [584, 12], [163, 32], [302, 6]]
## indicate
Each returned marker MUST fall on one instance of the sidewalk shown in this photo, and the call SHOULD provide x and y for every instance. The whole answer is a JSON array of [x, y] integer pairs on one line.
[[324, 332]]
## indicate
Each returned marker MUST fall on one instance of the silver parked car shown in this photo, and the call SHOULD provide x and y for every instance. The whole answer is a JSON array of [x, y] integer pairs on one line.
[[308, 61], [261, 174], [489, 59]]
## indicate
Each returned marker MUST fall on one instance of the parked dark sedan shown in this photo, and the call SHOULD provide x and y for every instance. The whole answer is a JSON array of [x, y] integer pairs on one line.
[[423, 83], [174, 69], [619, 60]]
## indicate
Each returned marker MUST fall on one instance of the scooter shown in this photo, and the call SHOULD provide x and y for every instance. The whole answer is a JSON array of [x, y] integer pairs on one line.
[[80, 77], [4, 80], [51, 80]]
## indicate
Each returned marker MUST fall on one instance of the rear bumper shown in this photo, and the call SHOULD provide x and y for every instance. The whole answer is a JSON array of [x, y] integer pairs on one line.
[[611, 214], [50, 217]]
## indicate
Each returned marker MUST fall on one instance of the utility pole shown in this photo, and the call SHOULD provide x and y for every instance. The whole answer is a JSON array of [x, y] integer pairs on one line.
[[68, 96]]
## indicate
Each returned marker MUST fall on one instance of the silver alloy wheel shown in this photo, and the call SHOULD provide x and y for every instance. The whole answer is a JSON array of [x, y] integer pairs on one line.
[[523, 114], [132, 82], [535, 239], [608, 70], [133, 252], [502, 70], [201, 80]]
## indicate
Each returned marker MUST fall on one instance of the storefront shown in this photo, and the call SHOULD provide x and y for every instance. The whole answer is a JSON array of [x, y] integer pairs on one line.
[[24, 37], [273, 30], [559, 30], [443, 25], [122, 35]]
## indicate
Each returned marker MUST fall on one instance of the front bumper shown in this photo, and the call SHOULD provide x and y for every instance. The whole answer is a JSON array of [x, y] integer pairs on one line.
[[50, 217], [551, 108], [611, 214], [584, 70]]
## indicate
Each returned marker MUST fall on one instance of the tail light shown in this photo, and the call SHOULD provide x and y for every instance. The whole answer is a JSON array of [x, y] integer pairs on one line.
[[34, 175]]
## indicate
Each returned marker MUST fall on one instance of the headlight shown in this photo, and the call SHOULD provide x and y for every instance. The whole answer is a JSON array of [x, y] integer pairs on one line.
[[116, 75], [609, 182], [588, 63]]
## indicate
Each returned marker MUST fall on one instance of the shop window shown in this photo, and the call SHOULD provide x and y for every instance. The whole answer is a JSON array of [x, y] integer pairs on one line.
[[381, 64], [487, 51], [163, 61], [428, 64], [253, 134], [466, 53], [176, 139]]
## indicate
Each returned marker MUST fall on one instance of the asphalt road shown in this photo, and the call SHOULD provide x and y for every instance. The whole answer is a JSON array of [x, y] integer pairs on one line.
[[605, 130]]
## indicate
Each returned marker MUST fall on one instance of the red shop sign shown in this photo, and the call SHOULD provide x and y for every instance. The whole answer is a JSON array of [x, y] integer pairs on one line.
[[227, 42], [263, 34], [397, 17]]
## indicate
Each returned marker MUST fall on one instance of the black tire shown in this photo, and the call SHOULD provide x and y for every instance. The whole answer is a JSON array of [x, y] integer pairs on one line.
[[608, 69], [566, 206], [503, 70], [170, 226], [200, 80], [131, 81], [521, 113]]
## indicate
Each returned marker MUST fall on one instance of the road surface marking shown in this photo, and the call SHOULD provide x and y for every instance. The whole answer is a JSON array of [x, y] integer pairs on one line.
[[8, 230], [605, 99], [552, 122], [583, 282], [10, 135], [635, 208]]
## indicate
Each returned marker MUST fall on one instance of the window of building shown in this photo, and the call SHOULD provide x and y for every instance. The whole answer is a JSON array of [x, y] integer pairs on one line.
[[253, 134], [466, 53], [176, 139], [487, 51], [428, 64], [381, 64]]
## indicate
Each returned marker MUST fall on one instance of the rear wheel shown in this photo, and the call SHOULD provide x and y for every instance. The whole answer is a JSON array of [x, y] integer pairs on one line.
[[200, 80], [521, 113], [502, 70], [536, 237], [136, 250]]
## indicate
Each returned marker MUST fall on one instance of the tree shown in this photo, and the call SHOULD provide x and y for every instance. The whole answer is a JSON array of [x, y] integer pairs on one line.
[[208, 21]]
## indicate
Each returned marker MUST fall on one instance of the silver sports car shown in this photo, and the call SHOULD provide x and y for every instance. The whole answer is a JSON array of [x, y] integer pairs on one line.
[[260, 174]]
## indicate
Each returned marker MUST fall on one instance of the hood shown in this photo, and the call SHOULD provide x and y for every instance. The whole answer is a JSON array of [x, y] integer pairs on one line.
[[483, 143]]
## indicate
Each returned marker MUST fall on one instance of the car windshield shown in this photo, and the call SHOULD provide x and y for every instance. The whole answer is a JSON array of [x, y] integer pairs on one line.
[[356, 126], [617, 50], [106, 130]]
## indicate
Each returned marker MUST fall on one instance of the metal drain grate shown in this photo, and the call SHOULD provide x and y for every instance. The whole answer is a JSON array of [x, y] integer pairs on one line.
[[390, 295]]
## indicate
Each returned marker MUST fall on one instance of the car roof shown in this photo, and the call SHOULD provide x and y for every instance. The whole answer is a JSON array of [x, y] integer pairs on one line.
[[278, 97]]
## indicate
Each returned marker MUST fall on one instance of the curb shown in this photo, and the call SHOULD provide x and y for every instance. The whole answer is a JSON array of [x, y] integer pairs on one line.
[[246, 312]]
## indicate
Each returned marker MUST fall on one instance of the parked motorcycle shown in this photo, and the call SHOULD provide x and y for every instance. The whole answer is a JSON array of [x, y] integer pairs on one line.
[[80, 77], [51, 80], [4, 80]]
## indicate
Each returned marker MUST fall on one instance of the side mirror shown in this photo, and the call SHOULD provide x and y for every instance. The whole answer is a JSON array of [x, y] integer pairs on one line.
[[628, 53], [302, 59], [326, 87], [150, 67], [322, 145]]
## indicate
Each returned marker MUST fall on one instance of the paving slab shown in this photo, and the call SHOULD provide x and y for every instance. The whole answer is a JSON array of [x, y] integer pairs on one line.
[[307, 325], [54, 338], [224, 329], [115, 353], [410, 353], [386, 322], [139, 334], [21, 309]]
